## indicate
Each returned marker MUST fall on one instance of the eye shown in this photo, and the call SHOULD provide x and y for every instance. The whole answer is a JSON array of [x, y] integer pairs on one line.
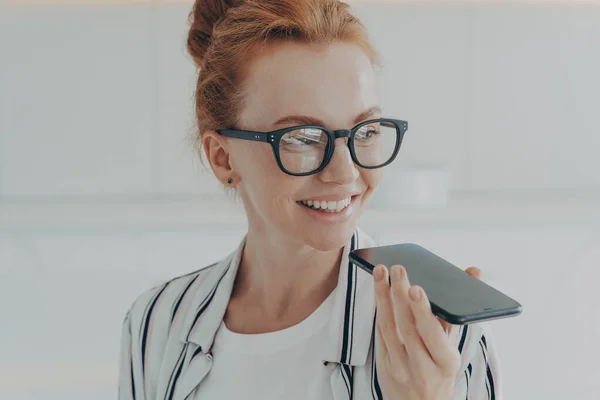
[[366, 132], [306, 136], [302, 140]]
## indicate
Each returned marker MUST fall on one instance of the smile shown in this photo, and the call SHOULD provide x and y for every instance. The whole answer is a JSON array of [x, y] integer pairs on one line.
[[327, 206]]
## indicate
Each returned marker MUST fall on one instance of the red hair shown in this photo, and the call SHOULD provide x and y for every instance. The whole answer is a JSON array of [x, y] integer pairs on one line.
[[225, 34]]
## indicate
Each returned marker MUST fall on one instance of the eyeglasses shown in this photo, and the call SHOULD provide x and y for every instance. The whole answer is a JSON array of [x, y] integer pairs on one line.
[[307, 149]]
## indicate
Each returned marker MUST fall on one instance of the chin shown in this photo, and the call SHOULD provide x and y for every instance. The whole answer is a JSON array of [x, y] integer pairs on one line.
[[328, 238]]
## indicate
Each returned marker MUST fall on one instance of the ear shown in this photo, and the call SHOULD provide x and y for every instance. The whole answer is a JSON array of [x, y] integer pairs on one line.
[[217, 151]]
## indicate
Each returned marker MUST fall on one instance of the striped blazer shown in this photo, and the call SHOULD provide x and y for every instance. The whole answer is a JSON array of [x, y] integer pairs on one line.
[[169, 330]]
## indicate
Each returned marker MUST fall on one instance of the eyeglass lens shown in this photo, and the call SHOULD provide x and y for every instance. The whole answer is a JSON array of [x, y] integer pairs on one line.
[[303, 150]]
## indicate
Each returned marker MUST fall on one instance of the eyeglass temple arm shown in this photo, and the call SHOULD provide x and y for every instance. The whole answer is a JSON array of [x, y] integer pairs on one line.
[[246, 135]]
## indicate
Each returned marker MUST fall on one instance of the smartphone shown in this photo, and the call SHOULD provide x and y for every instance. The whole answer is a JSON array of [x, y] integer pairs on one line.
[[455, 296]]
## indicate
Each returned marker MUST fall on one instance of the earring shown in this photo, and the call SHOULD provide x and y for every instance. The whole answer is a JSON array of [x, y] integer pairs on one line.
[[230, 181]]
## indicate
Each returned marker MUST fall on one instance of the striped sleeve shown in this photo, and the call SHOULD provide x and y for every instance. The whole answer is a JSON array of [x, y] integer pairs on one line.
[[134, 335], [146, 329], [127, 385], [479, 377]]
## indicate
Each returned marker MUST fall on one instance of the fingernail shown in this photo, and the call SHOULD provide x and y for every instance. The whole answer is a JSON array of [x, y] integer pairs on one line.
[[378, 273], [415, 293]]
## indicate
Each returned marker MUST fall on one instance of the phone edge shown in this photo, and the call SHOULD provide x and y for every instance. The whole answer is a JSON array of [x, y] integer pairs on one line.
[[366, 266], [438, 311]]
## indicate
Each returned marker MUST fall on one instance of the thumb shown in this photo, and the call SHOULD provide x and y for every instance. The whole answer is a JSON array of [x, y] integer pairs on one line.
[[474, 272]]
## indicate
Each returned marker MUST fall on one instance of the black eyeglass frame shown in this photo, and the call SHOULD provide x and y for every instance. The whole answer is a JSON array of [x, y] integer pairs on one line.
[[274, 137]]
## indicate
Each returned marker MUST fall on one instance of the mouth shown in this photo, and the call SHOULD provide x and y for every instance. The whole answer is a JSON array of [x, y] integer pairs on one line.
[[331, 207]]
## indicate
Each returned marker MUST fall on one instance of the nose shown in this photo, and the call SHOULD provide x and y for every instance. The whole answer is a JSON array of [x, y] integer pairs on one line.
[[341, 169]]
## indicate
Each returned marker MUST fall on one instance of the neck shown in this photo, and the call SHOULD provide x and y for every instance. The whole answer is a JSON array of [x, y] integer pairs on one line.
[[277, 273]]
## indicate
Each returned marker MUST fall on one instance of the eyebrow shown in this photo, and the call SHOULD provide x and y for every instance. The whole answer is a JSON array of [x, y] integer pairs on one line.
[[306, 120]]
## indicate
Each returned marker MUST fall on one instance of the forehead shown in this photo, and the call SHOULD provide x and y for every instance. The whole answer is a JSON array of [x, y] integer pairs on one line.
[[333, 83]]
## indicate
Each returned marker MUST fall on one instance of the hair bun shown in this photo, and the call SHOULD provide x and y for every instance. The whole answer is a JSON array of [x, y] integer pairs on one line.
[[203, 17]]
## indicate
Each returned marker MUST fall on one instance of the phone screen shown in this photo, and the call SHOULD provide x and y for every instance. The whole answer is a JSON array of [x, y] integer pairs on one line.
[[455, 296]]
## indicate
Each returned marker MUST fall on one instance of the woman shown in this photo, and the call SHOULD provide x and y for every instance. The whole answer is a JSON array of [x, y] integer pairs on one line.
[[288, 115]]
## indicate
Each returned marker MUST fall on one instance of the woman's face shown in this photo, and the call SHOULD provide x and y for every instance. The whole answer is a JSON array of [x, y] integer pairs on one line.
[[332, 86]]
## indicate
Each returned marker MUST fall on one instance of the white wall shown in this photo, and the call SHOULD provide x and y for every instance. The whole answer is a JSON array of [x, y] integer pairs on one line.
[[99, 95], [101, 196]]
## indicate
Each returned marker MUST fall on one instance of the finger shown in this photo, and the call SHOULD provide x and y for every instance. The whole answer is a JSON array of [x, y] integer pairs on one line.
[[381, 347], [385, 314], [454, 336], [451, 330], [405, 319], [397, 367], [474, 272], [431, 332], [446, 326]]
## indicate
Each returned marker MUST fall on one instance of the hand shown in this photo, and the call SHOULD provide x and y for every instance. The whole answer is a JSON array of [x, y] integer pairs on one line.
[[417, 358]]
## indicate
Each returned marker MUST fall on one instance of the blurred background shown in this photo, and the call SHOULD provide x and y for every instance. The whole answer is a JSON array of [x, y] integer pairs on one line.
[[102, 195]]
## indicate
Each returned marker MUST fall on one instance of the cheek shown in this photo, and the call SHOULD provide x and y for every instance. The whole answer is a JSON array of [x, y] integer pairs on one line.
[[263, 181], [273, 194], [372, 177], [250, 159]]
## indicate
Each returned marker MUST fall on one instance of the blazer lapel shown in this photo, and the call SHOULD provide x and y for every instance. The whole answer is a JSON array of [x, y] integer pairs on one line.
[[342, 381], [201, 323], [194, 369], [350, 326]]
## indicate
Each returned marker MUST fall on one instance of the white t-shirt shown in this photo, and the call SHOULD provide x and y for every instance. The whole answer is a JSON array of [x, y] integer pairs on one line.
[[168, 344], [283, 364]]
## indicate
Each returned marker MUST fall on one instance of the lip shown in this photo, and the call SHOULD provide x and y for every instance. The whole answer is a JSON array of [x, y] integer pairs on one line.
[[332, 218], [332, 197]]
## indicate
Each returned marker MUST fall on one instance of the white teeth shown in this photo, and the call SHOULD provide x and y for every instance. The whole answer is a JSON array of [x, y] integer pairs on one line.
[[328, 206]]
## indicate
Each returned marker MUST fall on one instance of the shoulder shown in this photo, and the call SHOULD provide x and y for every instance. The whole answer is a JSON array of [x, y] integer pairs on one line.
[[161, 306], [150, 331]]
